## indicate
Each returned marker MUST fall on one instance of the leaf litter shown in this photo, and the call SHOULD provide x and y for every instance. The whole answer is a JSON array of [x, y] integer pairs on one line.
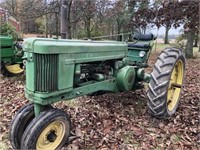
[[117, 121]]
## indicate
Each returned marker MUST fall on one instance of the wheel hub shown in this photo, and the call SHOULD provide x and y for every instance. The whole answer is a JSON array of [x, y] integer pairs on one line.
[[175, 85], [52, 136]]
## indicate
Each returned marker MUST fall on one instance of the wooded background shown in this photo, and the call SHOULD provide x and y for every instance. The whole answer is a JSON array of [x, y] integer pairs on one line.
[[90, 18]]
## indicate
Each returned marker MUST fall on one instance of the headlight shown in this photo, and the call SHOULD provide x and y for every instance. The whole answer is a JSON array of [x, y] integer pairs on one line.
[[142, 53]]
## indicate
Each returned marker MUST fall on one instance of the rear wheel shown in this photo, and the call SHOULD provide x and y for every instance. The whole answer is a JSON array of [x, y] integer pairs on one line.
[[9, 70], [49, 130], [166, 83]]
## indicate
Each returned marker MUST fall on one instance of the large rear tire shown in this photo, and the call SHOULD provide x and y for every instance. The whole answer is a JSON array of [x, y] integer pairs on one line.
[[166, 84]]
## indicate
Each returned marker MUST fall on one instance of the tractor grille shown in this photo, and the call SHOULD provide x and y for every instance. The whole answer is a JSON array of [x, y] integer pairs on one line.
[[46, 72]]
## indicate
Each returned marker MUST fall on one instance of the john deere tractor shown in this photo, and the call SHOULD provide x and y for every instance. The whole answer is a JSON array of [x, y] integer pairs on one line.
[[11, 56], [62, 69]]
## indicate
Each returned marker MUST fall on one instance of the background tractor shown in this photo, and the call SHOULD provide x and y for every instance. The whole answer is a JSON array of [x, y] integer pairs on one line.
[[11, 56]]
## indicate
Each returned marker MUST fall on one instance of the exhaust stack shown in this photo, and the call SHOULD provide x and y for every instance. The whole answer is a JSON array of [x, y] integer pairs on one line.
[[63, 21]]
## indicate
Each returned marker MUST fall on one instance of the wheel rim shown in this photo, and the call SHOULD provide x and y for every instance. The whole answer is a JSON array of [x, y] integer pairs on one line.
[[14, 68], [175, 85], [51, 136]]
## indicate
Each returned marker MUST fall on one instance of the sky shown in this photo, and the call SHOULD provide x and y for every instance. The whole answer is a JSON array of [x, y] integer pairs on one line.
[[162, 30]]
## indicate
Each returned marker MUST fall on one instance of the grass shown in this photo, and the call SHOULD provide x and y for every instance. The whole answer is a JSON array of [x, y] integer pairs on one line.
[[160, 46]]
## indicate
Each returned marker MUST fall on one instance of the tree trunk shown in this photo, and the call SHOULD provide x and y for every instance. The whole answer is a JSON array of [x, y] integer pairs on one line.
[[50, 33], [119, 37], [69, 32], [88, 29], [189, 45], [46, 26], [74, 30], [199, 48], [46, 22], [112, 31], [166, 34], [196, 40], [57, 25], [63, 21]]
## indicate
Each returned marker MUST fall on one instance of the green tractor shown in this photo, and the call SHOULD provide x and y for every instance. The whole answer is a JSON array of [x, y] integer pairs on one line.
[[11, 57], [62, 69]]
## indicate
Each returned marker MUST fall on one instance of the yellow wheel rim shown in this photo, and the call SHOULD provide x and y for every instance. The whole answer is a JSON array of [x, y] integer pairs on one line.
[[14, 68], [51, 136], [175, 85]]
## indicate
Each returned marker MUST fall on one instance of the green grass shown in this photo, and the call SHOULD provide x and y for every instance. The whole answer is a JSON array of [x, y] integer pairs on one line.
[[160, 46]]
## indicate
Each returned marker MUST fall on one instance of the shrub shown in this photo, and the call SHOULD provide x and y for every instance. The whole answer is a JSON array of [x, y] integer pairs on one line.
[[8, 30]]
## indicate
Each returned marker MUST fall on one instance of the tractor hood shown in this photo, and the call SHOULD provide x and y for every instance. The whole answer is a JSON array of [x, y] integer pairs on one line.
[[57, 46]]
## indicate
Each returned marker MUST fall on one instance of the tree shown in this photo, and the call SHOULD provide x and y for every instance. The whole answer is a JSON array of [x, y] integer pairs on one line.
[[165, 13], [143, 16], [8, 30], [180, 12], [188, 14], [74, 15], [88, 9]]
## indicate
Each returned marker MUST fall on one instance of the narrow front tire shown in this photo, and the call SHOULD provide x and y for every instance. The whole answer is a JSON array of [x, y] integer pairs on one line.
[[49, 130]]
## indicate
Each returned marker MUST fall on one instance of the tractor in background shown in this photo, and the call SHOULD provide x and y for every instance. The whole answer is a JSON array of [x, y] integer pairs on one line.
[[11, 56]]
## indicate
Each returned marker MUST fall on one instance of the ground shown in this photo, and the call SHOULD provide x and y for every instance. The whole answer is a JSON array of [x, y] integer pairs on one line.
[[117, 121]]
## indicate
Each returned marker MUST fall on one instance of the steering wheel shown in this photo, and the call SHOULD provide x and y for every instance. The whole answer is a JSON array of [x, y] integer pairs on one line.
[[133, 31]]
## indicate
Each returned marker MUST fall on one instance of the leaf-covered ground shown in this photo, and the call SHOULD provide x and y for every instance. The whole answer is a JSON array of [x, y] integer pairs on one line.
[[117, 121]]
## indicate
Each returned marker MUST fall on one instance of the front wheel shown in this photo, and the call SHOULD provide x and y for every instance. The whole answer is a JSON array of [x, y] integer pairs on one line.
[[20, 122], [49, 130], [10, 70], [166, 84]]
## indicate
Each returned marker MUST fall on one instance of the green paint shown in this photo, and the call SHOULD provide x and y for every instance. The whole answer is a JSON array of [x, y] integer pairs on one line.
[[68, 94], [37, 109], [8, 51], [126, 78], [6, 48], [60, 69]]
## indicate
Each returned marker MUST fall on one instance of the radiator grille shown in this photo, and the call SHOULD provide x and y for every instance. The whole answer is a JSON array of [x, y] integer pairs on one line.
[[46, 72]]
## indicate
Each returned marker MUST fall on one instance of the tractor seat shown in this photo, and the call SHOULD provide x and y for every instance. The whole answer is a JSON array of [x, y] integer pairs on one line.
[[143, 37], [139, 45], [143, 41]]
